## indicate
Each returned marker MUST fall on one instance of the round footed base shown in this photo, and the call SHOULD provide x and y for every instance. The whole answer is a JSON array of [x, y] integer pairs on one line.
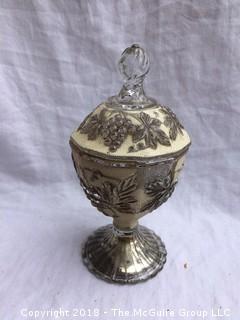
[[124, 256]]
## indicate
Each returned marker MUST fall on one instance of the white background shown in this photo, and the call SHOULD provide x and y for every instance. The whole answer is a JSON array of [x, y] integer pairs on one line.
[[57, 62]]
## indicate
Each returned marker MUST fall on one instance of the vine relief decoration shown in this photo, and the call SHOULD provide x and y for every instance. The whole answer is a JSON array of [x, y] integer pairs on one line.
[[159, 190], [115, 127], [112, 197], [149, 131], [171, 121]]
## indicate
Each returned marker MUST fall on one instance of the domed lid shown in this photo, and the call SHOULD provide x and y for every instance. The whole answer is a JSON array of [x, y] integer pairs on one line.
[[131, 124]]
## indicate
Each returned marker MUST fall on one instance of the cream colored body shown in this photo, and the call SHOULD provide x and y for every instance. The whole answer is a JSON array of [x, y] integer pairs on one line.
[[154, 112], [128, 154]]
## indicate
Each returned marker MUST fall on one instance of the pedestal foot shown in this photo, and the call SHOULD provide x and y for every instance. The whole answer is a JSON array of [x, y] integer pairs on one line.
[[124, 256]]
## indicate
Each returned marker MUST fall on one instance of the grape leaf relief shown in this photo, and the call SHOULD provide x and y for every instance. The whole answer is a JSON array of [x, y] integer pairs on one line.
[[111, 196], [115, 127], [159, 190], [172, 122]]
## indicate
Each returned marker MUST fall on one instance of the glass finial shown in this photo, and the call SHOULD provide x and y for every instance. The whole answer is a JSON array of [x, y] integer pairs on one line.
[[133, 66]]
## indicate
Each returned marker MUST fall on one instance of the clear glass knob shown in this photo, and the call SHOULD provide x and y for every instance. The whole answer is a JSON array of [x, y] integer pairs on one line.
[[133, 66]]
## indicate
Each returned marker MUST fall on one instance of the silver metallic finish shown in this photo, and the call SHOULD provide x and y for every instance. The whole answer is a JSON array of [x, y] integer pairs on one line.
[[124, 257], [133, 183], [115, 126], [128, 161], [125, 193]]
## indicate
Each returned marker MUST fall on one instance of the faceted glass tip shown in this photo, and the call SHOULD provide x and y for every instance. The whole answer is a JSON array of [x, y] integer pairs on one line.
[[134, 64]]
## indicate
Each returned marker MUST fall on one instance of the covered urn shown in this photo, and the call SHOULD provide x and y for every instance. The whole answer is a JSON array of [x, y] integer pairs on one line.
[[128, 154]]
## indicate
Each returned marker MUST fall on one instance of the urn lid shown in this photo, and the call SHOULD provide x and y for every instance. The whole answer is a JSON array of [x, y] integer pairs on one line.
[[131, 124]]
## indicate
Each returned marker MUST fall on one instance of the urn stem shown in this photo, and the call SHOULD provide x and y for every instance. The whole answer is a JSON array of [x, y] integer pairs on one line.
[[123, 224]]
